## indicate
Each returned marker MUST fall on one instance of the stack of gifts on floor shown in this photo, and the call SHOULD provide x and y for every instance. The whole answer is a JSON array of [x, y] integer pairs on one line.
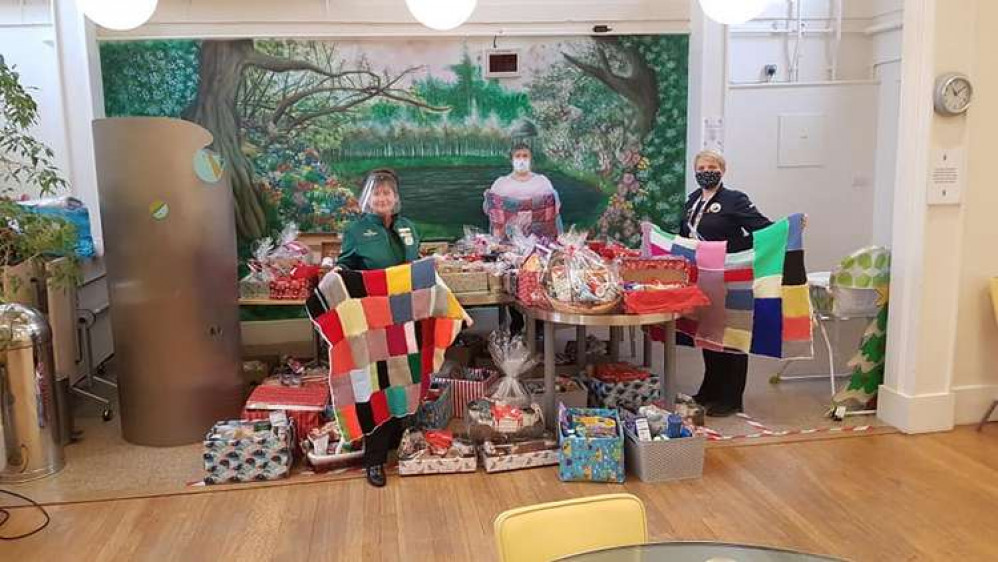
[[502, 425]]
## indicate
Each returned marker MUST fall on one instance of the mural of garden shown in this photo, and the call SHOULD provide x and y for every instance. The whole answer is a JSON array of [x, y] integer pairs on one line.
[[300, 122]]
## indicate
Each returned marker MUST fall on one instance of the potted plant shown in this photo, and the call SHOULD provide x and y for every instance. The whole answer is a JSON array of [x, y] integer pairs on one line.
[[33, 247]]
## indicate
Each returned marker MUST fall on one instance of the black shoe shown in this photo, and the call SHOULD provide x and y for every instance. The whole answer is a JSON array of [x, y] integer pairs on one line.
[[722, 410], [376, 476]]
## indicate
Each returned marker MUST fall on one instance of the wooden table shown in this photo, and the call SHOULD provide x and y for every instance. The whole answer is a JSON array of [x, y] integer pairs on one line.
[[613, 321]]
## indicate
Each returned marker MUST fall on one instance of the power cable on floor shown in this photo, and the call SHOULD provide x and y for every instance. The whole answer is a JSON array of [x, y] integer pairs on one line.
[[5, 516]]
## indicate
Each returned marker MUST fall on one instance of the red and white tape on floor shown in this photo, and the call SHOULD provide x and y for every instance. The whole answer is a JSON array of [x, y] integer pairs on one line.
[[763, 431]]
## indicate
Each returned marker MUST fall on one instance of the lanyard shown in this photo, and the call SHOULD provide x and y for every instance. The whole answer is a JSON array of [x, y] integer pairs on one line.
[[697, 216]]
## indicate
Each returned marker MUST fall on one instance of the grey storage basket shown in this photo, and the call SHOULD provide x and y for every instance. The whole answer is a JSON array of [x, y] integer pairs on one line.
[[662, 461]]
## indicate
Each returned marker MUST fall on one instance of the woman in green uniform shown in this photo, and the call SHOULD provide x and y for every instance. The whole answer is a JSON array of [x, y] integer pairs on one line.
[[380, 239]]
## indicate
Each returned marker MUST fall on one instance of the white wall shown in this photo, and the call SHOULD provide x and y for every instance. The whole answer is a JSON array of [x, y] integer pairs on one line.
[[27, 41], [838, 194], [849, 196], [885, 32]]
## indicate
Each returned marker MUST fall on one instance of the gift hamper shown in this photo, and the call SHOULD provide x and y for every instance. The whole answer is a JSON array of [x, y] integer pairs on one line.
[[508, 413], [531, 453], [435, 452], [326, 450], [579, 281], [660, 284]]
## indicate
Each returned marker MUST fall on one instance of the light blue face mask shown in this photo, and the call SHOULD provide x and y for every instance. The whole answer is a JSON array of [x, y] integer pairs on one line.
[[521, 165]]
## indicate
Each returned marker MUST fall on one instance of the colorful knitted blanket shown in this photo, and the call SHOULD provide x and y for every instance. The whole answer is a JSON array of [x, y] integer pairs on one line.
[[760, 302], [538, 215], [387, 331]]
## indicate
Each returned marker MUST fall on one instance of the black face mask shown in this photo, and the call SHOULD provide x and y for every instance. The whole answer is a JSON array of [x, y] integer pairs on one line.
[[708, 179]]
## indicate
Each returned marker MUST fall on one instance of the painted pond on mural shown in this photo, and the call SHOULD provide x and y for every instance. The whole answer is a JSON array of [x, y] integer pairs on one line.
[[441, 199]]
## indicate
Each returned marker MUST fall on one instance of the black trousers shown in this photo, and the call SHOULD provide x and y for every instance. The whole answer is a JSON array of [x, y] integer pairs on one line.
[[723, 379], [384, 439]]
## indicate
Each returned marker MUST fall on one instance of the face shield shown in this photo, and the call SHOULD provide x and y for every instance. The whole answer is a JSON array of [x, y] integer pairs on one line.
[[374, 186]]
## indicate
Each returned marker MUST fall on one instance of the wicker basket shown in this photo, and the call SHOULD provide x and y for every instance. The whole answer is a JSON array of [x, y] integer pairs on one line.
[[580, 308], [662, 461]]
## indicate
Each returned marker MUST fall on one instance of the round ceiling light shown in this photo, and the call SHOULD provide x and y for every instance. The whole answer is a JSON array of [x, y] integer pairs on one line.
[[733, 12], [120, 15], [441, 15]]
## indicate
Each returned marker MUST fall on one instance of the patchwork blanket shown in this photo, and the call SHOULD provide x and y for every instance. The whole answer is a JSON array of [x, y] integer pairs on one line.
[[760, 302], [537, 216], [387, 332]]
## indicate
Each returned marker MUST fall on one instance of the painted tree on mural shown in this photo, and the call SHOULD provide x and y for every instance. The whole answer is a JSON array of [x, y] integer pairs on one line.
[[615, 107], [624, 70], [314, 88]]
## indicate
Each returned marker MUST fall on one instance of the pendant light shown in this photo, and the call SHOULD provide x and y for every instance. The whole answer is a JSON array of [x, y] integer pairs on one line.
[[733, 12], [441, 15], [120, 15]]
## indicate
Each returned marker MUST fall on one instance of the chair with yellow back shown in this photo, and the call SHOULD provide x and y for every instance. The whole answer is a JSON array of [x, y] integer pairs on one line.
[[994, 303], [548, 531]]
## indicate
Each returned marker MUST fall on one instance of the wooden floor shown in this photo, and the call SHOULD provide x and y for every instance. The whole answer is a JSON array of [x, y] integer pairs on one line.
[[889, 497]]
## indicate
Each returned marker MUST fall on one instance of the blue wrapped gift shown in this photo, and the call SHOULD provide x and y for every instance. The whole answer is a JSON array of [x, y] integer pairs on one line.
[[586, 458]]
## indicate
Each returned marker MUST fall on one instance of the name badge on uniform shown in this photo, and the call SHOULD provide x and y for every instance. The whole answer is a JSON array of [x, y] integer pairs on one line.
[[406, 235], [714, 208]]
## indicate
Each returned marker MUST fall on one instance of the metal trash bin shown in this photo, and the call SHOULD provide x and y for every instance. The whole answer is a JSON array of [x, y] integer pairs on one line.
[[30, 447]]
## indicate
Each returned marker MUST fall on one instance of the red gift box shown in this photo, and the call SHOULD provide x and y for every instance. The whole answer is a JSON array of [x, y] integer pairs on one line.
[[303, 404]]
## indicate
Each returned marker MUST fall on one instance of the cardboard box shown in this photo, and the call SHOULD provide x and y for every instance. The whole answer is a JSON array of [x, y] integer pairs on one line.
[[578, 398], [466, 281], [502, 457]]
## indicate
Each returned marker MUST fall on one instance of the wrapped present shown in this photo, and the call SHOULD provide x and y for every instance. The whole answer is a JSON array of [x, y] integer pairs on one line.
[[502, 457], [248, 451], [493, 420], [529, 282], [612, 250], [667, 272], [304, 404], [435, 452], [620, 372], [591, 442], [630, 395], [468, 385], [438, 408]]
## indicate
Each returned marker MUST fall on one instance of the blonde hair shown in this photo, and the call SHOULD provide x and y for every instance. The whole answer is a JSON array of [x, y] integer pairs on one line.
[[714, 155]]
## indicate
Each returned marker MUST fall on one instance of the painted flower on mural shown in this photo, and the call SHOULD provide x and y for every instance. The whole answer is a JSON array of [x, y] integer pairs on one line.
[[300, 186]]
